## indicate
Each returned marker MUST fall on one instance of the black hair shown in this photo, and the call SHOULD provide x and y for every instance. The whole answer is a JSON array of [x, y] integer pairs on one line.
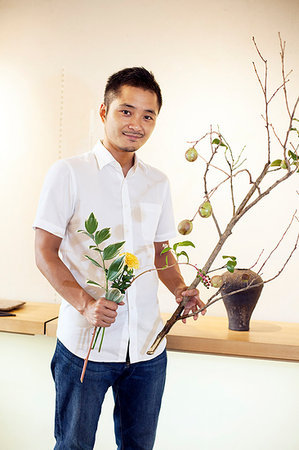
[[133, 76]]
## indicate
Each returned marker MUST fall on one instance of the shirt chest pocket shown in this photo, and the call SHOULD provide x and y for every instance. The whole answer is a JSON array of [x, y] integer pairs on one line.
[[150, 214]]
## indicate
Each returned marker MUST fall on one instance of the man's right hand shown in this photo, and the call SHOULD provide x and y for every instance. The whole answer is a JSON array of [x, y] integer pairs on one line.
[[101, 312]]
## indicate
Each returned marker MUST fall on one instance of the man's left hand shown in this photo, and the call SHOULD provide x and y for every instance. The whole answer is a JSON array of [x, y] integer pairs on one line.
[[194, 303]]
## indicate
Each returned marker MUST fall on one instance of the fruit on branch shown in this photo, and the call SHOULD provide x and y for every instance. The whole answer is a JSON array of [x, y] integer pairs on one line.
[[217, 281], [191, 154], [205, 209], [185, 226]]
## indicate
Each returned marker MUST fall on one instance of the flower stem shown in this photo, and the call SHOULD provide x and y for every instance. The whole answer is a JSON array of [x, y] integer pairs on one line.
[[96, 338], [102, 339], [87, 356]]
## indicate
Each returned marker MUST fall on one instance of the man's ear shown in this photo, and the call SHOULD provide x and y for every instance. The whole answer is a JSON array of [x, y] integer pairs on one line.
[[103, 112]]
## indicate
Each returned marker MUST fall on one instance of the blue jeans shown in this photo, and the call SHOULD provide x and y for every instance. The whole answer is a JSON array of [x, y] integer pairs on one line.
[[137, 390]]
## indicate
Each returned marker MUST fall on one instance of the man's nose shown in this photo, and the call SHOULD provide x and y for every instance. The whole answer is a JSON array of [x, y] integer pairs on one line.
[[135, 124]]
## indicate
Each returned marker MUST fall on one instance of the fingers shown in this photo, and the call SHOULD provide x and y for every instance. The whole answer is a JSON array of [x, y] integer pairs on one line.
[[194, 303], [190, 293], [102, 313]]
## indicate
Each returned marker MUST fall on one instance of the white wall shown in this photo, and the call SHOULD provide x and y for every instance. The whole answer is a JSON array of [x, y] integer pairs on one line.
[[210, 402]]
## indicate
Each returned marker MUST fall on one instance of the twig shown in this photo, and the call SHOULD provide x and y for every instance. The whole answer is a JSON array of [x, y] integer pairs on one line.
[[278, 89], [257, 260], [278, 243], [282, 53], [286, 262]]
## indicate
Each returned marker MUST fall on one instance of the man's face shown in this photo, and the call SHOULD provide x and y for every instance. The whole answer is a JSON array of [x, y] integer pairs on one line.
[[130, 119]]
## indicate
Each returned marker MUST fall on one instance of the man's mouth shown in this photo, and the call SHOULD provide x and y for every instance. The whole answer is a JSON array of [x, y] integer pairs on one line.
[[133, 136]]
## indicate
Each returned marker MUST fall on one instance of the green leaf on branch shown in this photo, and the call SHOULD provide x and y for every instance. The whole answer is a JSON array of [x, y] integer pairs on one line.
[[93, 261], [275, 163], [94, 283], [102, 235], [293, 155], [112, 250], [166, 249], [230, 257], [94, 247], [184, 254], [183, 244], [91, 224], [116, 268], [230, 265], [217, 141]]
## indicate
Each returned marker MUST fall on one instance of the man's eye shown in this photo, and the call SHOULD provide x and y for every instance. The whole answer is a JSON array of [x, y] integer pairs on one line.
[[125, 112], [148, 118]]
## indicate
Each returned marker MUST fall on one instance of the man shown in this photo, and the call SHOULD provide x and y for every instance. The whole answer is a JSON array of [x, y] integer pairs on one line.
[[132, 199]]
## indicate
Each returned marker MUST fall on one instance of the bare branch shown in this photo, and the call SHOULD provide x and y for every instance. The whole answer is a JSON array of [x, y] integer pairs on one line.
[[282, 54], [278, 89], [276, 135], [257, 49], [279, 242], [258, 77], [257, 260], [292, 115]]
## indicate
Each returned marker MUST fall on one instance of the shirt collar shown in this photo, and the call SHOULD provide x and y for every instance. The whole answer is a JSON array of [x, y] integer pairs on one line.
[[104, 157]]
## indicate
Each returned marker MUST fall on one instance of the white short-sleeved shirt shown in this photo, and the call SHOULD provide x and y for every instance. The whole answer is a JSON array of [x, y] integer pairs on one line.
[[138, 210]]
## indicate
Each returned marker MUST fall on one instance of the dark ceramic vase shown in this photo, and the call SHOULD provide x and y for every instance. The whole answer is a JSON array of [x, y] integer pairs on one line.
[[240, 306]]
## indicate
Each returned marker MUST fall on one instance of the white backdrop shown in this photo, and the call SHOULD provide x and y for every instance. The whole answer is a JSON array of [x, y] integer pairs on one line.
[[55, 59]]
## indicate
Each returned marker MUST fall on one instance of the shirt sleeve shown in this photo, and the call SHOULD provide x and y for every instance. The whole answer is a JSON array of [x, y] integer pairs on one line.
[[166, 226], [57, 200]]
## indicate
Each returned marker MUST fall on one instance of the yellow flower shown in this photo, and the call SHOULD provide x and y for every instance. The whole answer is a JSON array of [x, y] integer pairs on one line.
[[131, 260]]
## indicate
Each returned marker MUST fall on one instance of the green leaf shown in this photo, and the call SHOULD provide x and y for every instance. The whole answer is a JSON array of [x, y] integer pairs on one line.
[[114, 295], [93, 261], [183, 253], [112, 250], [297, 120], [94, 247], [91, 224], [183, 244], [217, 141], [166, 249], [230, 257], [93, 283], [230, 265], [275, 163], [116, 268], [102, 235], [293, 155]]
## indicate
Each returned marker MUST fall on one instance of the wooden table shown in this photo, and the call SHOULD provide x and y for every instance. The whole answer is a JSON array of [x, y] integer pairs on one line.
[[31, 318], [270, 340], [265, 339]]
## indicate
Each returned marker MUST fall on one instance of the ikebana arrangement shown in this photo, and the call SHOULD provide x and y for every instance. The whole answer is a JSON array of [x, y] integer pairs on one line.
[[238, 288], [235, 286]]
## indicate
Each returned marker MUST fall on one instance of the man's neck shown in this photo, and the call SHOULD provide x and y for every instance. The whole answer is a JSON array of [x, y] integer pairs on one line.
[[125, 159]]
